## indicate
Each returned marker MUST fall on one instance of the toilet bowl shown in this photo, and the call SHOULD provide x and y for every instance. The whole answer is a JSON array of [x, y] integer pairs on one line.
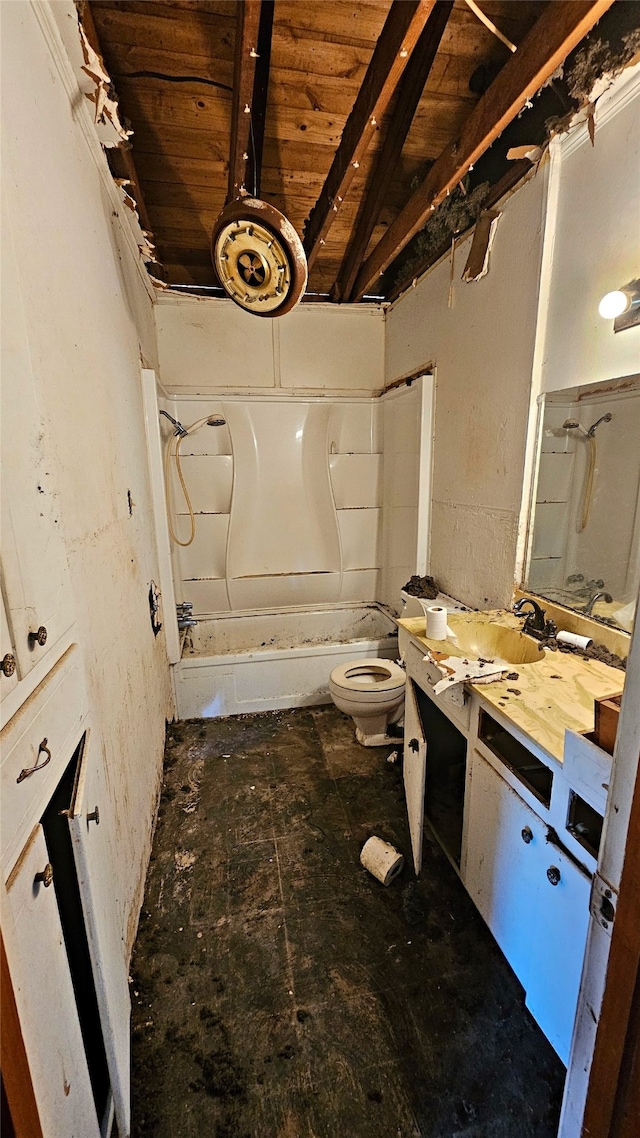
[[372, 693]]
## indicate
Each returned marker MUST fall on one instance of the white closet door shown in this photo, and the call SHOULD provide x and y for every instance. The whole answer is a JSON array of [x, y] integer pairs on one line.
[[91, 834], [45, 1000], [414, 769]]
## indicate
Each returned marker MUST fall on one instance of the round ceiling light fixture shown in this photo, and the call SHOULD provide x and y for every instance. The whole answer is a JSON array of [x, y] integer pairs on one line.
[[258, 257]]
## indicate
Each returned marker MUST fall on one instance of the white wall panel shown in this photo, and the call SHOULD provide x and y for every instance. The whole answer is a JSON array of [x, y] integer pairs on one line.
[[209, 480], [331, 346], [595, 245], [207, 555], [351, 428], [356, 480], [207, 596], [360, 538], [483, 351], [360, 585], [205, 344]]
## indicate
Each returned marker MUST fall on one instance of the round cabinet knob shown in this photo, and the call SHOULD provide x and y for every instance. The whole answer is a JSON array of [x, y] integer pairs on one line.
[[553, 874], [527, 835], [8, 664], [46, 877], [39, 637], [94, 816]]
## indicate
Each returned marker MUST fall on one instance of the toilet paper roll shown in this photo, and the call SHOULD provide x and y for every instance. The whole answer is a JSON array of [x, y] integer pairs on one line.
[[436, 618], [574, 639], [381, 859]]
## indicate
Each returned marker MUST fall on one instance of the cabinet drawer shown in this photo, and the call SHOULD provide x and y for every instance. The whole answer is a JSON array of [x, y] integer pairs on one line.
[[456, 704], [51, 718]]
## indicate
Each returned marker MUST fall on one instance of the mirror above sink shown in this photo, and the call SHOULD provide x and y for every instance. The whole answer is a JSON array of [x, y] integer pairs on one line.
[[584, 531]]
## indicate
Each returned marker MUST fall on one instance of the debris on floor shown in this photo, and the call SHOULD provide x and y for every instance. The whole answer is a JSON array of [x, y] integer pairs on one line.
[[279, 992]]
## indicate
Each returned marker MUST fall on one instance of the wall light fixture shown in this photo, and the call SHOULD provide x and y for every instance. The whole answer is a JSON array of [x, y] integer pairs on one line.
[[622, 306]]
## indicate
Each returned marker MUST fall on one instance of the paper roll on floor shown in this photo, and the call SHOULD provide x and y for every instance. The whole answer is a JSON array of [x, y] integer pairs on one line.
[[381, 859]]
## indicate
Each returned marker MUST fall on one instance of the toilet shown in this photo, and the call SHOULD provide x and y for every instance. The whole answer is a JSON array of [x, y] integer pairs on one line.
[[372, 693]]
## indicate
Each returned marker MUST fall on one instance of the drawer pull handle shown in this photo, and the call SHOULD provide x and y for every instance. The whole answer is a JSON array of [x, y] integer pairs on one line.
[[553, 874], [39, 637], [42, 749], [527, 835], [94, 816], [46, 877], [8, 664]]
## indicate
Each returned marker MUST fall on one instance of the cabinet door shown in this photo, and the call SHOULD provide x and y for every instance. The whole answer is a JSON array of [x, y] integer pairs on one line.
[[7, 651], [90, 823], [34, 565], [413, 768], [505, 841], [561, 923], [45, 1001]]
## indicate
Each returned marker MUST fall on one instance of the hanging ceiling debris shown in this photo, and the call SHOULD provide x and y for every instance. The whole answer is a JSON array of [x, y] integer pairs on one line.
[[379, 128]]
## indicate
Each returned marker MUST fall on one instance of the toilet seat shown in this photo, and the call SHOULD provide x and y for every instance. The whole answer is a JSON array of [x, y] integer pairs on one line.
[[374, 678]]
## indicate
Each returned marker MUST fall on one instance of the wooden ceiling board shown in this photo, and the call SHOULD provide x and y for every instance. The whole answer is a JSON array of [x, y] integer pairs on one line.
[[320, 52]]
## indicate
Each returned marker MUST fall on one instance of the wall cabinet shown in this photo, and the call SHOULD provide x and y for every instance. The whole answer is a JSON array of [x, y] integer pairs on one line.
[[45, 999], [35, 573], [44, 714]]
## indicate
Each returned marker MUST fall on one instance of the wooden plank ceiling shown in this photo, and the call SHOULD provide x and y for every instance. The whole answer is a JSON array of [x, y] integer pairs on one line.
[[172, 65]]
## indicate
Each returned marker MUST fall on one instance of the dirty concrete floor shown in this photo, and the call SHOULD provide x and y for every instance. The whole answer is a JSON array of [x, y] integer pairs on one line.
[[281, 992]]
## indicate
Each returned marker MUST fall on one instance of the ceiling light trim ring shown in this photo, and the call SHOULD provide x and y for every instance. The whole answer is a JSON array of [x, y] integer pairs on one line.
[[258, 257]]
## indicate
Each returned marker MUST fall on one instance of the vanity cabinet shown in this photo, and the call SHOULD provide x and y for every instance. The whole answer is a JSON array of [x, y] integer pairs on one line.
[[503, 845], [533, 896], [518, 817]]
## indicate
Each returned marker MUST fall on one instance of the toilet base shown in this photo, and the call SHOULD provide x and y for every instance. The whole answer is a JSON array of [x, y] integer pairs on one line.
[[377, 740]]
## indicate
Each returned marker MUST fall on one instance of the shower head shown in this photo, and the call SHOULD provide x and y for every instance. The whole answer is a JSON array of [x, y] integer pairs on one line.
[[574, 425], [603, 419]]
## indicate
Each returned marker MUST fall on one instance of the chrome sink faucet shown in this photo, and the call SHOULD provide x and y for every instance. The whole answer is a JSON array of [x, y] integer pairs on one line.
[[535, 623], [588, 608]]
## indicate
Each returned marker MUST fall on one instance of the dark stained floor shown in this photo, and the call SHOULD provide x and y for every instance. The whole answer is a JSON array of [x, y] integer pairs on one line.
[[279, 991]]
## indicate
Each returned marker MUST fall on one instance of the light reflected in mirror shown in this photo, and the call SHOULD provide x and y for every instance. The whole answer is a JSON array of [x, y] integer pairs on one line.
[[584, 539]]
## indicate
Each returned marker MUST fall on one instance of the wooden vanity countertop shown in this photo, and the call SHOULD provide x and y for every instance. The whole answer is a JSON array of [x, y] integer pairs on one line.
[[548, 696]]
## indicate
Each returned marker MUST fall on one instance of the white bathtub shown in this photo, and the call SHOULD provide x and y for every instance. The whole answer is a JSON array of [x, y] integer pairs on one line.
[[269, 660]]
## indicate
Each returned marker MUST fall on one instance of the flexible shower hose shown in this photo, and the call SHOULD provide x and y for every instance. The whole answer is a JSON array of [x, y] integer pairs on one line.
[[174, 452], [588, 482], [170, 453]]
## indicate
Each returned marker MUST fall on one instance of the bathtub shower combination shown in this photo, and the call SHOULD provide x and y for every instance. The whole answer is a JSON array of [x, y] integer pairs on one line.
[[275, 597], [237, 663]]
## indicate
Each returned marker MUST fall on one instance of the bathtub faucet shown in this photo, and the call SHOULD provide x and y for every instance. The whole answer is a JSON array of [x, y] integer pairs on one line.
[[184, 615]]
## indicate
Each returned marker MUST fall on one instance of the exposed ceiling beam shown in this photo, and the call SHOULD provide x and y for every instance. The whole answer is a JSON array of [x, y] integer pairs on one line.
[[401, 31], [410, 90], [560, 28], [120, 158], [259, 99], [244, 70]]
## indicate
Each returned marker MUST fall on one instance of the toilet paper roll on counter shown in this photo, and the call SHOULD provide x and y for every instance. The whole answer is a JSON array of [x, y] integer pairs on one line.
[[381, 859], [573, 639], [436, 618]]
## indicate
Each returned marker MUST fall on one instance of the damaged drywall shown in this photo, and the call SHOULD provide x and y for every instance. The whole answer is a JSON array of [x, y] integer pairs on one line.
[[95, 87]]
